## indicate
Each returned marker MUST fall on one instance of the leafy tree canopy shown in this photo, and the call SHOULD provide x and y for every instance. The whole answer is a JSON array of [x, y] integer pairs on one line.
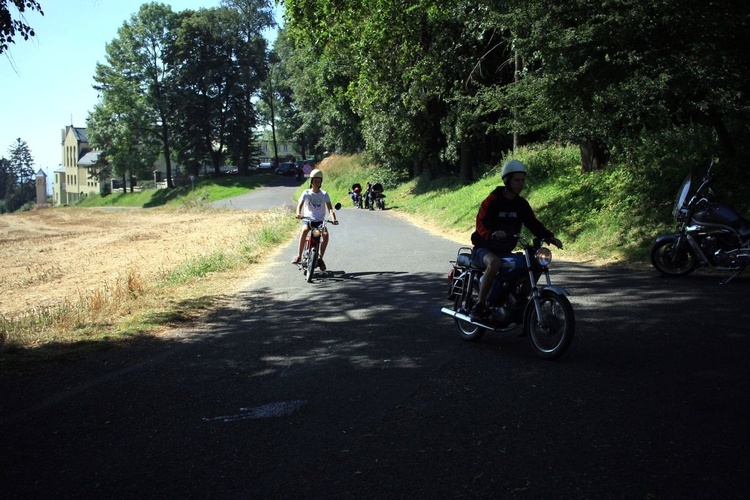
[[434, 83], [10, 25]]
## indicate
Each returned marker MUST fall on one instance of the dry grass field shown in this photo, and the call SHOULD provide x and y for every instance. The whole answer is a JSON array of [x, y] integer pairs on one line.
[[87, 263]]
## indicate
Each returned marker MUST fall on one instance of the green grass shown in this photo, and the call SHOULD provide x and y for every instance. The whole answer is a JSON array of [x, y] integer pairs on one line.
[[204, 191], [612, 214]]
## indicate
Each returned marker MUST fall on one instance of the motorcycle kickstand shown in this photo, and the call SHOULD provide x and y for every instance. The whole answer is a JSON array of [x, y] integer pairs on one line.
[[727, 280]]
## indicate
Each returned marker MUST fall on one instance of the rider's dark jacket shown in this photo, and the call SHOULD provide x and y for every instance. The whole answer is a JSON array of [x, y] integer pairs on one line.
[[499, 213]]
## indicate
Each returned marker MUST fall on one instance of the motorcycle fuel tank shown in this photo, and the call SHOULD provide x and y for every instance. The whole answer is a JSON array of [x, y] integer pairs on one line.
[[719, 213]]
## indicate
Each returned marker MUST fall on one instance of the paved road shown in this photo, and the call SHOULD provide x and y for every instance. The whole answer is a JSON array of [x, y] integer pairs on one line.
[[355, 386], [279, 192]]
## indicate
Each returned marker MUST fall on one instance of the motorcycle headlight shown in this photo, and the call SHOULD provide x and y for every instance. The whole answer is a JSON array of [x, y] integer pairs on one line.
[[316, 233], [543, 256]]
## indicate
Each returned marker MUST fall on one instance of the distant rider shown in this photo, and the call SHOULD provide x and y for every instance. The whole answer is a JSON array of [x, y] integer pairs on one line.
[[499, 221], [312, 204]]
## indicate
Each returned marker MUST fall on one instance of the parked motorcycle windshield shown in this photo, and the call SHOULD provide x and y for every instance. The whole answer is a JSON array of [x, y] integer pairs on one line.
[[681, 195]]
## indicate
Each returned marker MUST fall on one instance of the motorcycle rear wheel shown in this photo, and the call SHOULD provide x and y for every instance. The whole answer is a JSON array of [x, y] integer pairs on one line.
[[466, 330], [553, 336], [670, 261], [312, 261]]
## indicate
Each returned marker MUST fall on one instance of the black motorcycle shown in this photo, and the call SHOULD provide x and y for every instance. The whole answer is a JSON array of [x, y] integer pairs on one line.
[[516, 300], [376, 197], [710, 233]]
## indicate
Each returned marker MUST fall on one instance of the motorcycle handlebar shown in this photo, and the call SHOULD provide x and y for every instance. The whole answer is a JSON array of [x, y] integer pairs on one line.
[[308, 219]]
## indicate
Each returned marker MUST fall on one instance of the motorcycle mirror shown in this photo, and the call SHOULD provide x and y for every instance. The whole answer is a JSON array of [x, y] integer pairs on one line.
[[337, 206]]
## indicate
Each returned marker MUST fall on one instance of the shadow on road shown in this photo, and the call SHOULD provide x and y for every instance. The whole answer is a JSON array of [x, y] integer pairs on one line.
[[650, 401]]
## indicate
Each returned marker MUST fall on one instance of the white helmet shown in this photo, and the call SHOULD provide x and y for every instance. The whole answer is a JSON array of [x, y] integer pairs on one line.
[[512, 167], [316, 174]]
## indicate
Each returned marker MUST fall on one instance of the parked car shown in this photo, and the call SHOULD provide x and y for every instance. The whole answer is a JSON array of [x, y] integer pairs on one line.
[[265, 166], [286, 168], [310, 162]]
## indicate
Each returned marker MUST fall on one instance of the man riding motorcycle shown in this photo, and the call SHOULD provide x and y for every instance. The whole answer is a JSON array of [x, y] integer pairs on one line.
[[499, 220]]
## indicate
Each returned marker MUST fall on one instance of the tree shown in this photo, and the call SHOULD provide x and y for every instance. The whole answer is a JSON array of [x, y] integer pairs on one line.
[[139, 71], [295, 124], [5, 180], [204, 53], [321, 66], [432, 82], [17, 177], [404, 72], [255, 16], [602, 75], [10, 26], [114, 128], [216, 69]]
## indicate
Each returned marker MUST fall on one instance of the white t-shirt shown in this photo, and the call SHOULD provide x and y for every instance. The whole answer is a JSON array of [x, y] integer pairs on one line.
[[315, 204]]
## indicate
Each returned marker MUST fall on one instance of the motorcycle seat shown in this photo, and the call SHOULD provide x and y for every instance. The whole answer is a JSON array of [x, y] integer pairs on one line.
[[464, 260]]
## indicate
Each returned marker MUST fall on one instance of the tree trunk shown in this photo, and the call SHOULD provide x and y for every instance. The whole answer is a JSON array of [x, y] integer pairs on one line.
[[167, 152], [594, 155], [216, 159], [725, 140], [467, 163], [516, 139]]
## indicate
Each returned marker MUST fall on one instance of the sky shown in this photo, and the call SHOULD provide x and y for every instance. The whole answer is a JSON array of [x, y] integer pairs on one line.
[[46, 81]]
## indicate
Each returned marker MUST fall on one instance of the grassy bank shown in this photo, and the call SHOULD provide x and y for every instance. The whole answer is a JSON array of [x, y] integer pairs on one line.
[[203, 191], [613, 214]]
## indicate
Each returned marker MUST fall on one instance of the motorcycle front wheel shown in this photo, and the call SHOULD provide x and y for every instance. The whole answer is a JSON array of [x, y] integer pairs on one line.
[[671, 261], [553, 336], [312, 261], [466, 330]]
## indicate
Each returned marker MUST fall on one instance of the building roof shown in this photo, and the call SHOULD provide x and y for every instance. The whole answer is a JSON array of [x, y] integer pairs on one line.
[[89, 159], [80, 133]]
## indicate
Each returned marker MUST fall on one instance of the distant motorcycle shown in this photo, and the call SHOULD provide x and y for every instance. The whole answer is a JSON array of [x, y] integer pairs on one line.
[[376, 197], [311, 252], [516, 300], [710, 233], [356, 195]]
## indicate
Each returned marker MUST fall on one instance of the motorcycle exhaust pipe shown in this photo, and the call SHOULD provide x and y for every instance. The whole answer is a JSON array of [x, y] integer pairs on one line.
[[463, 317]]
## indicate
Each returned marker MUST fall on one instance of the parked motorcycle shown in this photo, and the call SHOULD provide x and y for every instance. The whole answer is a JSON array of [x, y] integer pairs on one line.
[[516, 300], [311, 252], [710, 233], [356, 195], [377, 198]]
